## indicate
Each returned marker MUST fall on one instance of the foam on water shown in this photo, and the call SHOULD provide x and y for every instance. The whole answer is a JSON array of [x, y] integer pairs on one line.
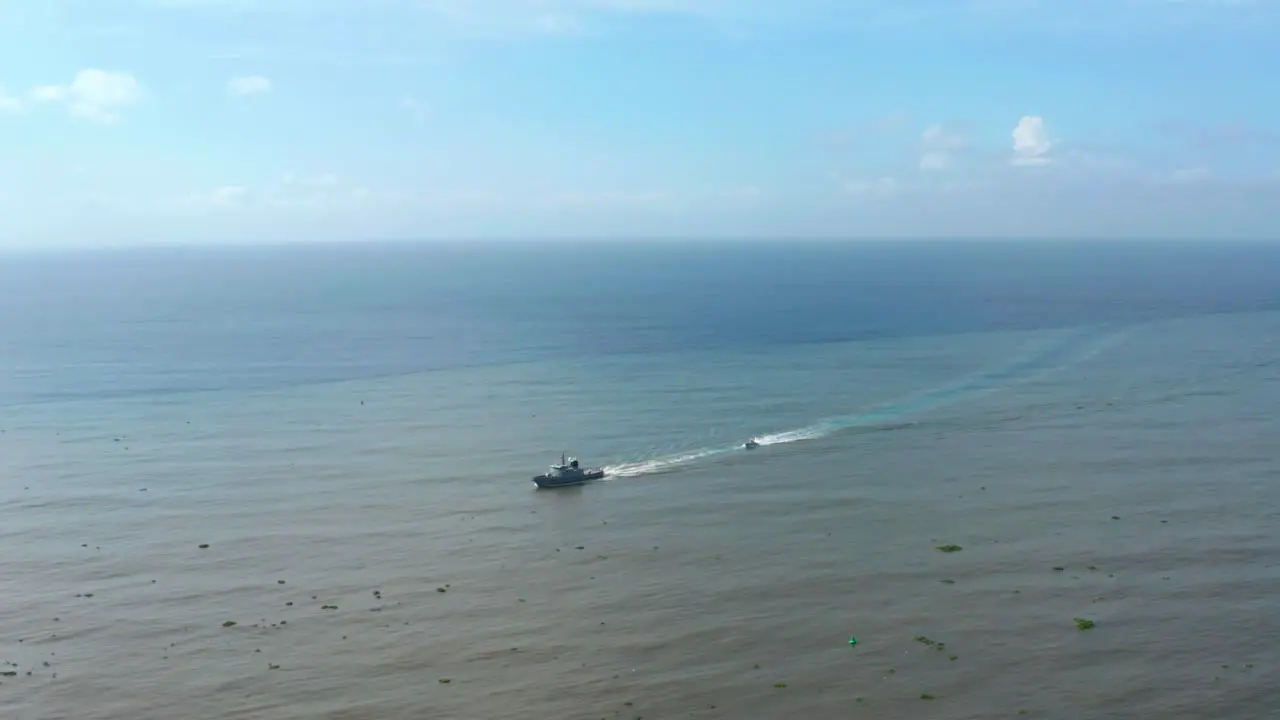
[[1069, 348]]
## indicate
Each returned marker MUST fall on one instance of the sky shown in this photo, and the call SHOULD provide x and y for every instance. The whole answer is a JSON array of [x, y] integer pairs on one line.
[[159, 121]]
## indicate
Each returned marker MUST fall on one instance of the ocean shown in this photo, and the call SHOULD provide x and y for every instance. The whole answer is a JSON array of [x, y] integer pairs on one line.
[[294, 481]]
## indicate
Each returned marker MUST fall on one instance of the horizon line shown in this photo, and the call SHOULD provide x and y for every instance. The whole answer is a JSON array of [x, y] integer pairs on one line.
[[619, 240]]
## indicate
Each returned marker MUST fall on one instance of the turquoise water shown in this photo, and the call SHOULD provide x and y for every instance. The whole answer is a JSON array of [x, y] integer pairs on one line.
[[360, 419]]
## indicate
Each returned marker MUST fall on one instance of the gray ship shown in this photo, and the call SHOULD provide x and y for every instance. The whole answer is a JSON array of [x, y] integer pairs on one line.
[[567, 473]]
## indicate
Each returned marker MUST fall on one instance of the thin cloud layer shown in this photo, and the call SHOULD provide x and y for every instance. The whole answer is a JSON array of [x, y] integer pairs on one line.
[[623, 118], [250, 85]]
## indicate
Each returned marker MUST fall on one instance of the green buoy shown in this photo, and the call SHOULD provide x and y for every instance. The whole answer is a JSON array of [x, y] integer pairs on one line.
[[853, 640]]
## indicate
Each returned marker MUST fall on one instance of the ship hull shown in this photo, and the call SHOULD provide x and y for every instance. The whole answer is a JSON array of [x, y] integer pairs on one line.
[[550, 481]]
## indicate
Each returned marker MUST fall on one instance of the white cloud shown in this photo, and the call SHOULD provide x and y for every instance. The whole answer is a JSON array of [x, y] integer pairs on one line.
[[9, 103], [594, 200], [879, 186], [251, 85], [1190, 175], [322, 180], [292, 193], [1031, 143], [229, 193], [937, 146], [48, 93], [96, 95], [223, 197], [745, 193], [935, 161], [297, 190], [559, 24], [416, 108]]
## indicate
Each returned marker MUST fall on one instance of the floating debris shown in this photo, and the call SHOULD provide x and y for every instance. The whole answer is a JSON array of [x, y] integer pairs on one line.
[[939, 646], [780, 685], [445, 681], [950, 548], [229, 623], [926, 696], [1084, 623]]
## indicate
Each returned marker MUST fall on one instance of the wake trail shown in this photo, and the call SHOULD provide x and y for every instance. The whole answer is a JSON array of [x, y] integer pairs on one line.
[[1038, 362]]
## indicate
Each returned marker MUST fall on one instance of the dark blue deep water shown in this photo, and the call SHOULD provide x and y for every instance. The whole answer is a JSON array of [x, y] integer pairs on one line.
[[154, 320]]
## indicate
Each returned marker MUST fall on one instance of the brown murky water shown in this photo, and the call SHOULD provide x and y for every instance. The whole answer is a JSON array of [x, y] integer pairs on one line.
[[390, 560]]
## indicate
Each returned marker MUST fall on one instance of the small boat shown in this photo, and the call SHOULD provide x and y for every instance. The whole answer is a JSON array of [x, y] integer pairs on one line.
[[568, 472], [750, 444]]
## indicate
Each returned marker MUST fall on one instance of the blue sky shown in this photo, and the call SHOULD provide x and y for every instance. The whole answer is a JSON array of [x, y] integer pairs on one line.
[[261, 120]]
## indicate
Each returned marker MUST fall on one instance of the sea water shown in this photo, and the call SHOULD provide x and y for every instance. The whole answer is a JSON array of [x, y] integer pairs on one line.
[[294, 481]]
